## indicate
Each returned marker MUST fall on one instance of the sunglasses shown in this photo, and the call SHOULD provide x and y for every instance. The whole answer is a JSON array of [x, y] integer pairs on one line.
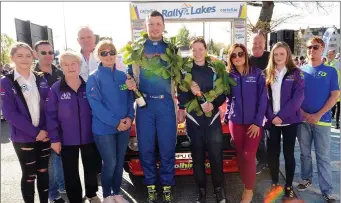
[[47, 52], [315, 47], [106, 53], [239, 54]]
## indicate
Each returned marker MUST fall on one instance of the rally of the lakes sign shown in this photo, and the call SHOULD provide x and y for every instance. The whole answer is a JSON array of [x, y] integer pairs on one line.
[[191, 10]]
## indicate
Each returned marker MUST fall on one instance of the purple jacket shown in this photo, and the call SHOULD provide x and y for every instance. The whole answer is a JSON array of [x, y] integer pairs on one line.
[[292, 96], [68, 115], [247, 102], [15, 109]]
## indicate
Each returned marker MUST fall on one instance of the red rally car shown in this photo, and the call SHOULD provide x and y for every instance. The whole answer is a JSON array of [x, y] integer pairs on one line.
[[183, 160]]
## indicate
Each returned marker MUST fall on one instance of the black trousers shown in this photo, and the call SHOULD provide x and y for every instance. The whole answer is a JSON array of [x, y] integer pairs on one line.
[[336, 110], [274, 149], [33, 158], [262, 148], [70, 157], [211, 140]]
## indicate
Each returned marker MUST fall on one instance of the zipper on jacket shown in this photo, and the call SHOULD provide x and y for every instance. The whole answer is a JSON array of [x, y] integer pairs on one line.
[[241, 92], [79, 121]]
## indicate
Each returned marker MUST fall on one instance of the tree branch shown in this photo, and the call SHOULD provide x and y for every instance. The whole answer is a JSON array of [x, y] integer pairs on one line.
[[254, 3]]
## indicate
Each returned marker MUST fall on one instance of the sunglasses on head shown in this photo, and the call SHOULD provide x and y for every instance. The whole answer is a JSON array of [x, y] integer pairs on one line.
[[239, 54], [47, 52], [315, 47], [105, 53]]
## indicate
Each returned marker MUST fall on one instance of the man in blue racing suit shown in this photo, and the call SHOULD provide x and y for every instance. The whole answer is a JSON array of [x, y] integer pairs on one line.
[[156, 122]]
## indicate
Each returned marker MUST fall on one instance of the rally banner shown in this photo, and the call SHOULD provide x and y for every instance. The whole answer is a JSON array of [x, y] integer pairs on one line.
[[326, 39], [190, 10]]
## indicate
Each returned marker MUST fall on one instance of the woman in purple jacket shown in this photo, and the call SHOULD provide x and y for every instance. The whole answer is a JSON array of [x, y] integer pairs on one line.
[[246, 108], [68, 120], [23, 94], [285, 86]]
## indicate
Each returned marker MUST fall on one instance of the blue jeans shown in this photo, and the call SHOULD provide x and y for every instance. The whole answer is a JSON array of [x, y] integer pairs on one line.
[[307, 133], [112, 149], [55, 174]]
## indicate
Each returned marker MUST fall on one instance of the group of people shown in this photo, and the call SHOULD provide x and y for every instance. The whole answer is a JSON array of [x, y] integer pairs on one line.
[[89, 107]]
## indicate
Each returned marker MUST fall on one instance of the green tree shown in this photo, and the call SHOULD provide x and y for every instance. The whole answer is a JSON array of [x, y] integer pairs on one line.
[[183, 36], [6, 43]]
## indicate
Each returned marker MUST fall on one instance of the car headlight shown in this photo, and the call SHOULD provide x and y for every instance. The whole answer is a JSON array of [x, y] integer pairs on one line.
[[133, 145]]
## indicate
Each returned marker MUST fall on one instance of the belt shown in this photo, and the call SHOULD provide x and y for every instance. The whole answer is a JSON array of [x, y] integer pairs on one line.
[[161, 96]]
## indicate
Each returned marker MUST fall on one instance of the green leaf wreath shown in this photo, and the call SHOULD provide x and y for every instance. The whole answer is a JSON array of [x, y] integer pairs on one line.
[[178, 68], [222, 85]]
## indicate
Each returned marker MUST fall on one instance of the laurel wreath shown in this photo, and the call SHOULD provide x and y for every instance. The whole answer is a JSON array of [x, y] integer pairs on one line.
[[178, 68]]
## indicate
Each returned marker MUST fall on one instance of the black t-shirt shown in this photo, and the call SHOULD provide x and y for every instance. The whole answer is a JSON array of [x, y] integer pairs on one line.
[[51, 78], [260, 62]]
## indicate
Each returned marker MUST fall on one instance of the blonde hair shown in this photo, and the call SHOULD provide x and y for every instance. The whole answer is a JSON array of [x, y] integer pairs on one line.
[[69, 53], [18, 45], [270, 69], [105, 43]]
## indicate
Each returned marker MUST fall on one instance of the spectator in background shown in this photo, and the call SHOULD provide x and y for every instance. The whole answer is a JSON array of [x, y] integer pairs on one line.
[[87, 41], [302, 61], [43, 52], [332, 61], [260, 59], [296, 62]]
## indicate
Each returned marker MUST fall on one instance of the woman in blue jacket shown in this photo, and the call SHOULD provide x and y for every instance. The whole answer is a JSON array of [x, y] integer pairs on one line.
[[68, 117], [23, 94], [246, 108], [285, 87], [113, 112]]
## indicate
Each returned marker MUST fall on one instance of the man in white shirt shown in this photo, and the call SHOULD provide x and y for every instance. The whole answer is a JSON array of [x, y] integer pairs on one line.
[[87, 41]]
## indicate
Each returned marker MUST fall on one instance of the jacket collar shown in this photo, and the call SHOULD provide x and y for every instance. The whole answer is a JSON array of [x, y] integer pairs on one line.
[[17, 75], [105, 68], [37, 68], [65, 87]]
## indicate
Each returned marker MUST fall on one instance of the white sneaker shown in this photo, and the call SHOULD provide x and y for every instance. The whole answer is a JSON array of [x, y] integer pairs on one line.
[[95, 199], [109, 199], [120, 199]]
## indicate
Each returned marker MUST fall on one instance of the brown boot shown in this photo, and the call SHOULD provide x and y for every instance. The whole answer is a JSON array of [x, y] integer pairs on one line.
[[247, 196]]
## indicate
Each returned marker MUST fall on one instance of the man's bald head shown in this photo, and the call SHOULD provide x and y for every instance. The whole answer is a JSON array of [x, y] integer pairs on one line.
[[258, 43], [86, 38]]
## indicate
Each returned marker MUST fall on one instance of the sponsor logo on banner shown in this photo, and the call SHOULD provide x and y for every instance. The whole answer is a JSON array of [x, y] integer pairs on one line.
[[228, 10]]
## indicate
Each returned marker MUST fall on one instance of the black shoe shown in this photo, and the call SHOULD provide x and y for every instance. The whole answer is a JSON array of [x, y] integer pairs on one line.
[[337, 126], [289, 193], [260, 167], [167, 194], [219, 194], [331, 199], [201, 196], [152, 195], [60, 200], [304, 185]]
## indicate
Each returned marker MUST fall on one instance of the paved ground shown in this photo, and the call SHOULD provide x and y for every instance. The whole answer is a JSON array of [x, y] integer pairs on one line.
[[313, 195], [184, 192]]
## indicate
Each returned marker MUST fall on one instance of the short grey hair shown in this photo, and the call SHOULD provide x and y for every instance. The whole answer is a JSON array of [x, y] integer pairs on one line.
[[84, 27]]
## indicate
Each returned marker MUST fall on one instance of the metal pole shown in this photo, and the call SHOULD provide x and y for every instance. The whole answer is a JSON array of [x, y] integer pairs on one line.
[[64, 26]]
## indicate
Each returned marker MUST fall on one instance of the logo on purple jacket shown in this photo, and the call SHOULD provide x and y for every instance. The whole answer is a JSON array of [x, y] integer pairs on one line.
[[66, 95], [43, 85]]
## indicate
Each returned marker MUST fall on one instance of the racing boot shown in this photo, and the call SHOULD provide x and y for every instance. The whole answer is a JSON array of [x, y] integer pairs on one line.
[[167, 194], [201, 196], [219, 194], [152, 195]]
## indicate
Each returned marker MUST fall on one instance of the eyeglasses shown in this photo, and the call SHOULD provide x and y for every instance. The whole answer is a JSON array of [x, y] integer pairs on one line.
[[105, 53], [315, 47], [47, 52], [239, 54]]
